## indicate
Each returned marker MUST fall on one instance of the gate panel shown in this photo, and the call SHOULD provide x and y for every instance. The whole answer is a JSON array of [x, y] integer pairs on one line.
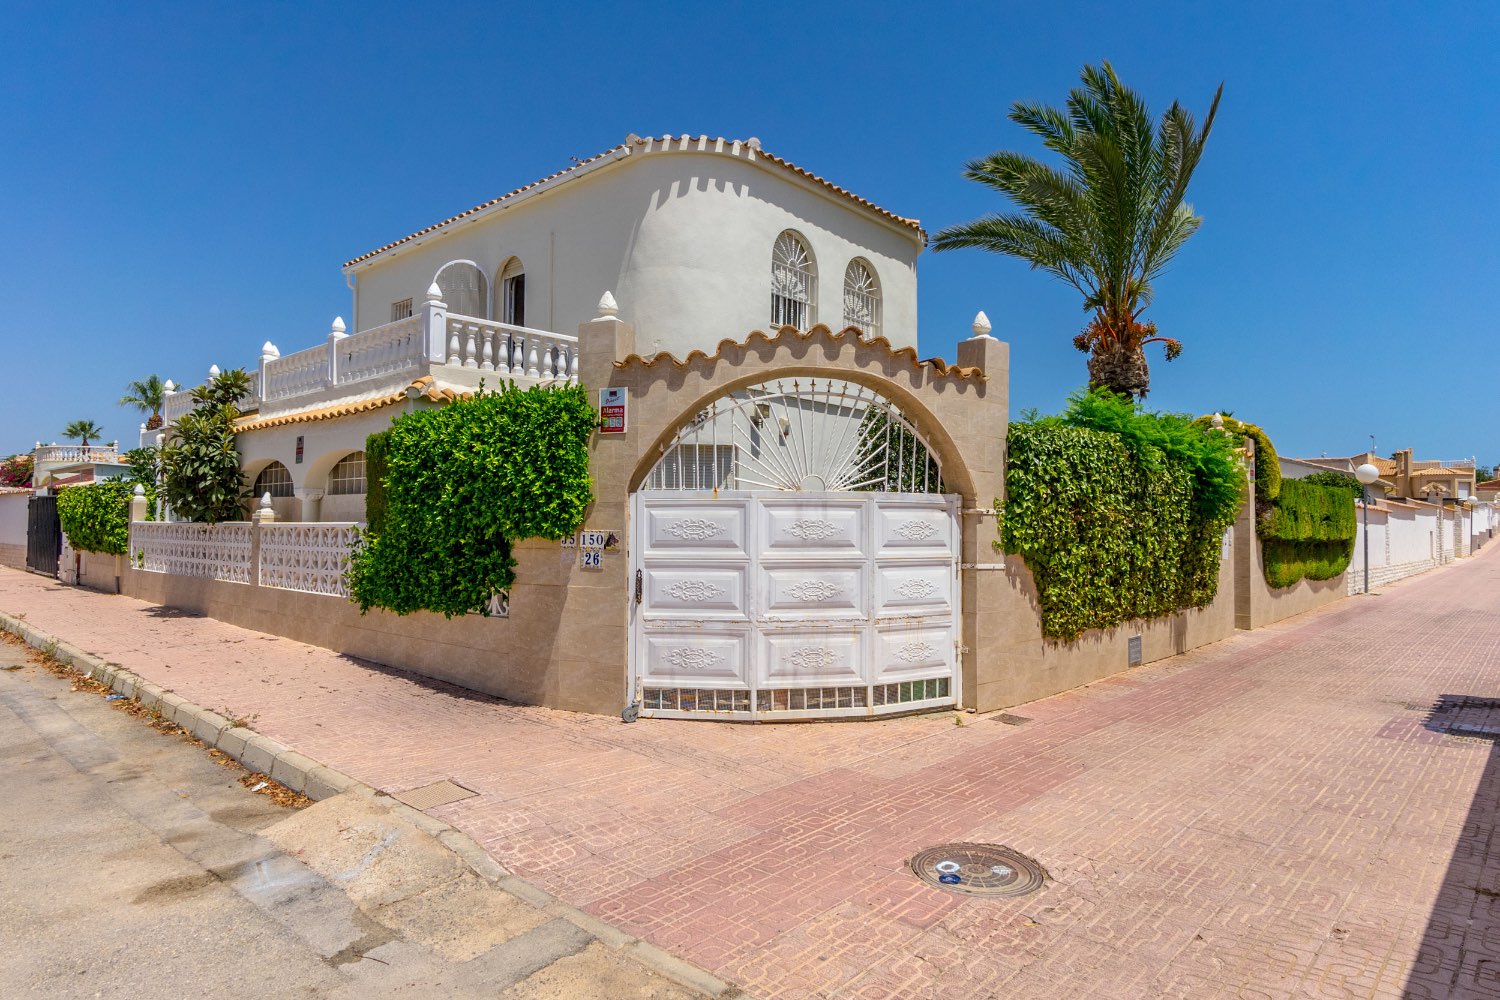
[[43, 535]]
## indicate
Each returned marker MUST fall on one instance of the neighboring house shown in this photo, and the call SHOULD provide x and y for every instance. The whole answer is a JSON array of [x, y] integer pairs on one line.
[[703, 239], [1404, 476], [1488, 491], [71, 464]]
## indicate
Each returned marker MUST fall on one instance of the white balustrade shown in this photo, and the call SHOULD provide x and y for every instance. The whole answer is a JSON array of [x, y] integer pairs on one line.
[[175, 404], [205, 551], [70, 454], [512, 351], [296, 374], [311, 558], [385, 350]]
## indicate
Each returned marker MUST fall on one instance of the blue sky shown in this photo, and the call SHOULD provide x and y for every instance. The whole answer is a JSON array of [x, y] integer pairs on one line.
[[181, 182]]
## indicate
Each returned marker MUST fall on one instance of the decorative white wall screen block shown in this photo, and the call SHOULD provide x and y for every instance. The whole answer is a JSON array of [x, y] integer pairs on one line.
[[311, 558], [209, 552]]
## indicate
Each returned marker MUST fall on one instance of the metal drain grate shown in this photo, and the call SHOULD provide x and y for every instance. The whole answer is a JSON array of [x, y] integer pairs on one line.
[[437, 794], [1011, 720], [978, 870]]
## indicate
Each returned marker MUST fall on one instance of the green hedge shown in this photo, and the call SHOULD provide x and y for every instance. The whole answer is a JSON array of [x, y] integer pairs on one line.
[[453, 487], [96, 517], [1119, 513], [1308, 533], [1267, 465]]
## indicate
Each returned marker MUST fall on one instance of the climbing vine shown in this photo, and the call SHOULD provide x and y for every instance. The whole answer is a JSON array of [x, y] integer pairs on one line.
[[96, 516], [1118, 512], [457, 485]]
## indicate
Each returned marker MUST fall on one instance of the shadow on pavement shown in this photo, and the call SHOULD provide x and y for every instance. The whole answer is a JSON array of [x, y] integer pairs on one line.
[[1460, 951]]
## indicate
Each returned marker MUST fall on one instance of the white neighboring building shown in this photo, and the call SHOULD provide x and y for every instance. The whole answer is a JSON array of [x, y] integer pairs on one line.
[[704, 239]]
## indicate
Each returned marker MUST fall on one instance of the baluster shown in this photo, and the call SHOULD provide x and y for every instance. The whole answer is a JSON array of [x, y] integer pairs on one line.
[[531, 359], [471, 352], [573, 366], [453, 358], [487, 362]]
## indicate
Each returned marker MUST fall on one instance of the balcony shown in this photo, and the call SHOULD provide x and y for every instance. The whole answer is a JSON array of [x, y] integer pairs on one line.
[[457, 351], [52, 455]]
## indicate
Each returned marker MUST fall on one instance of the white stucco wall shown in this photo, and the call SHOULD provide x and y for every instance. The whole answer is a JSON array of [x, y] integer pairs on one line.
[[682, 238], [13, 508]]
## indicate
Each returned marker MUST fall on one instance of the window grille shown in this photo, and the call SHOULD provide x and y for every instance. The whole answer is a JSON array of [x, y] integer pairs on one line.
[[697, 467], [274, 479], [513, 292], [348, 476], [862, 298], [794, 283], [401, 310], [464, 288]]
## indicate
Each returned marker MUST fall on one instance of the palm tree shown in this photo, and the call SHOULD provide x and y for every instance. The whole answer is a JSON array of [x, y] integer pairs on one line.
[[1107, 221], [83, 430], [146, 395]]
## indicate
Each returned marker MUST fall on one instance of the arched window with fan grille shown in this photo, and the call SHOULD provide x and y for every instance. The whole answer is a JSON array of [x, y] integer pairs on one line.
[[464, 288], [862, 298], [274, 479], [794, 282], [348, 475]]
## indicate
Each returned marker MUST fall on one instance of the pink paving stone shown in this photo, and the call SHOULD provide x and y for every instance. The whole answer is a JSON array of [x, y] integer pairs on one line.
[[1273, 816]]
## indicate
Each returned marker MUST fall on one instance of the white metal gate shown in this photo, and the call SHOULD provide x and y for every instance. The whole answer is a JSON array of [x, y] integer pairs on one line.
[[794, 556]]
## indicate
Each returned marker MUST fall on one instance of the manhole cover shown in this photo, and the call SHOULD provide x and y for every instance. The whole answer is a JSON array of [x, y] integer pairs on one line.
[[978, 870]]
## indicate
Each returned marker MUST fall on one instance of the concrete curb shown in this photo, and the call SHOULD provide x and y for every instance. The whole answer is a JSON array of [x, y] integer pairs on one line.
[[317, 781]]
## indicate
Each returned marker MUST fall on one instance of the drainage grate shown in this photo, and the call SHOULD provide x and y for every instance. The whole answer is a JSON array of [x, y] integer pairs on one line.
[[978, 870], [438, 794], [1011, 720]]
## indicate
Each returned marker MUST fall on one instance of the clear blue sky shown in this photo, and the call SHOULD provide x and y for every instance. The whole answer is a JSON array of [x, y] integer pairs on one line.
[[182, 182]]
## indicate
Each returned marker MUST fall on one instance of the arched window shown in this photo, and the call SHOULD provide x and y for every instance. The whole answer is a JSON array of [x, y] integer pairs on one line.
[[274, 479], [794, 283], [464, 288], [862, 297], [510, 304], [348, 476]]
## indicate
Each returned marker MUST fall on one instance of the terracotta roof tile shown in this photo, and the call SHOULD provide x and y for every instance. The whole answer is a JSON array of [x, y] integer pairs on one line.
[[422, 388], [665, 143]]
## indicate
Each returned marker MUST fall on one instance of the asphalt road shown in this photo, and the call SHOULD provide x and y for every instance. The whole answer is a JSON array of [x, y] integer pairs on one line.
[[133, 865]]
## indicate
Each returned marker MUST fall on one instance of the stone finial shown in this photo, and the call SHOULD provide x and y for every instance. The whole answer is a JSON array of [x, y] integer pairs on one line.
[[169, 387], [213, 371], [269, 351], [607, 304], [981, 325], [1217, 421], [265, 500], [338, 329], [139, 490], [434, 293]]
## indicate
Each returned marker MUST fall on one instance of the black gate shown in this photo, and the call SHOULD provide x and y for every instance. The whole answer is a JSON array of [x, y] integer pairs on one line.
[[43, 535]]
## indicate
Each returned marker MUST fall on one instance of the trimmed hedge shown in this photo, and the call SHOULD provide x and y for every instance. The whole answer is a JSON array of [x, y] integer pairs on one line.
[[1308, 533], [1267, 465], [1119, 513], [96, 517], [453, 487]]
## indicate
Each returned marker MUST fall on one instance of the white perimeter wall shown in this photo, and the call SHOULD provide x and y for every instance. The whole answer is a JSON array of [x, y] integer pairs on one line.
[[13, 508], [684, 241]]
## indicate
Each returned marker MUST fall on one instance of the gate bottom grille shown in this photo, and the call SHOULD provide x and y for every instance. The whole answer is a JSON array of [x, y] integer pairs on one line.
[[815, 699]]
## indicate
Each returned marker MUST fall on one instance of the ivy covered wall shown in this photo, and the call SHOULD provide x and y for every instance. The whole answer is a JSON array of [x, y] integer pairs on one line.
[[1118, 512], [451, 488]]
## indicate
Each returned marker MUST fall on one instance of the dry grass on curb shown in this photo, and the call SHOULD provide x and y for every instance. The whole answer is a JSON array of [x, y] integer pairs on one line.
[[260, 784]]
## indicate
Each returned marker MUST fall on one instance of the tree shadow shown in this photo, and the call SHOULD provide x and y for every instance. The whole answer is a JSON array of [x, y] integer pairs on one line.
[[1460, 950]]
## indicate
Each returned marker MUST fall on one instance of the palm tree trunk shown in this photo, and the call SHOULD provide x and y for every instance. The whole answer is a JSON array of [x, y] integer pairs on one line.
[[154, 422], [1120, 368]]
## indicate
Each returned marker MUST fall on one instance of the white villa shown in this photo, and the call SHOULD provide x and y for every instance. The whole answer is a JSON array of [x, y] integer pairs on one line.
[[703, 238]]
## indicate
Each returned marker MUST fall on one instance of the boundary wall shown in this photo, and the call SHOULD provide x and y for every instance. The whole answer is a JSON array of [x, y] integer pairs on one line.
[[13, 521]]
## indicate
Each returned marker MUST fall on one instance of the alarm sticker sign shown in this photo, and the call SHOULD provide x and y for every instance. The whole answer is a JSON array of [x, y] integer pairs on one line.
[[612, 411]]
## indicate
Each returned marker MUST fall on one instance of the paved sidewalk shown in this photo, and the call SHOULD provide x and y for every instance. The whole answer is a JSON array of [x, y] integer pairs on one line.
[[1280, 815]]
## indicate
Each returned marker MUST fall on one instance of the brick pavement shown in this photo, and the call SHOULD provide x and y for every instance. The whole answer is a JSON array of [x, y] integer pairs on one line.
[[1279, 815]]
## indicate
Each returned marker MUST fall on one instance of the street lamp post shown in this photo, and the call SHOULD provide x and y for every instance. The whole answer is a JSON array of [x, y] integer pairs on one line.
[[1366, 474]]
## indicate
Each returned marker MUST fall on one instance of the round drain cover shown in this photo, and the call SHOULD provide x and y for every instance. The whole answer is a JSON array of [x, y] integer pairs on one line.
[[978, 870]]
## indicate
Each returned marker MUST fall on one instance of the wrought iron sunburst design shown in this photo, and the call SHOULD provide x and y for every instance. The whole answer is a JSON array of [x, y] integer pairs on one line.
[[799, 435]]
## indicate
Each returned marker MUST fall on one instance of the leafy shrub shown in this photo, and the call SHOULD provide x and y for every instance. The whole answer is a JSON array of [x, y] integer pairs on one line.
[[1338, 480], [1309, 531], [96, 517], [1267, 465], [458, 485], [200, 465], [1118, 512]]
